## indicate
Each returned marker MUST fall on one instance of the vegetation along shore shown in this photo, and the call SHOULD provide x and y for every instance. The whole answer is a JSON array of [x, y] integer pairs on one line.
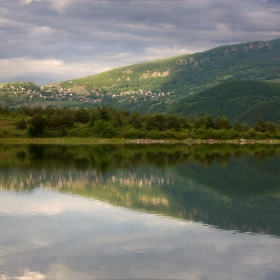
[[95, 125]]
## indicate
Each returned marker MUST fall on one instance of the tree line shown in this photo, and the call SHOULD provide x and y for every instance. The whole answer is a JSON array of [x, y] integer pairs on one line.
[[106, 122]]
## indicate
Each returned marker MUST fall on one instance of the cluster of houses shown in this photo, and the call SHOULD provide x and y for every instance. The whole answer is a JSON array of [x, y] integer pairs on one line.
[[134, 96], [30, 92]]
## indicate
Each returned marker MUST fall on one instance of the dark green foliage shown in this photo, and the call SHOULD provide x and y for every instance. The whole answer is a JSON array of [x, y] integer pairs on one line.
[[4, 110], [135, 120], [173, 122], [150, 122], [103, 129], [67, 118], [260, 125], [160, 121], [267, 110], [92, 119], [81, 115], [54, 121], [105, 122], [21, 125], [238, 100], [103, 114], [208, 121], [37, 125], [222, 123]]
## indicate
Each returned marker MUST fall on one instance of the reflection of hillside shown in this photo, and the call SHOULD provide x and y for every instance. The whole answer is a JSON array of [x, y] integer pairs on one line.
[[231, 187]]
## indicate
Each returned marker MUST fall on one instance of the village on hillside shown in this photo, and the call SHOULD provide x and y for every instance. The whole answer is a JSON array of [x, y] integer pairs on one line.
[[26, 94]]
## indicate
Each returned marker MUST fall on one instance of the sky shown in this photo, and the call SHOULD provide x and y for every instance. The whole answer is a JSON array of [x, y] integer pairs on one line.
[[47, 41]]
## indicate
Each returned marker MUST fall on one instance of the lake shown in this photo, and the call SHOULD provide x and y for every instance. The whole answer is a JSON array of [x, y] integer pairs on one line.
[[139, 211]]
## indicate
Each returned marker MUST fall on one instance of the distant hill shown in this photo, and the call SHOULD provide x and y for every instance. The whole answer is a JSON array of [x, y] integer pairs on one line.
[[163, 85], [152, 86], [238, 100]]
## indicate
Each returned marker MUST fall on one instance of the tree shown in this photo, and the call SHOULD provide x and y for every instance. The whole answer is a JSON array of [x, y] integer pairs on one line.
[[173, 122], [92, 119], [197, 123], [160, 121], [237, 126], [67, 118], [104, 129], [81, 115], [135, 120], [21, 125], [208, 121], [150, 122], [37, 125], [270, 127], [260, 125], [245, 127], [54, 121], [222, 123], [103, 114]]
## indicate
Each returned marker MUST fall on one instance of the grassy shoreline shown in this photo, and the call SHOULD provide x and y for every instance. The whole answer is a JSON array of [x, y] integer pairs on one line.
[[94, 141]]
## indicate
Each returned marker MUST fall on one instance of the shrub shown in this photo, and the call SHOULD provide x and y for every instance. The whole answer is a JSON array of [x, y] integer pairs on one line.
[[21, 125], [103, 129]]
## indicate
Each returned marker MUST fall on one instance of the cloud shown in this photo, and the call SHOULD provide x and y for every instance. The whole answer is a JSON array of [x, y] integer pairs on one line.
[[81, 31]]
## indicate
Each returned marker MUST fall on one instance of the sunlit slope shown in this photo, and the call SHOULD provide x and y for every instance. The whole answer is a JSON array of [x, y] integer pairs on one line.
[[189, 73], [238, 100]]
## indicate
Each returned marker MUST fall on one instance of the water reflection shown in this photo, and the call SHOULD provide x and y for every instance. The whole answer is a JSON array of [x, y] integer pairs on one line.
[[50, 235], [227, 186]]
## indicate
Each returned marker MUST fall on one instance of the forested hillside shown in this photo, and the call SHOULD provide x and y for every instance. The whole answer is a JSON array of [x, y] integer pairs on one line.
[[152, 86], [238, 100]]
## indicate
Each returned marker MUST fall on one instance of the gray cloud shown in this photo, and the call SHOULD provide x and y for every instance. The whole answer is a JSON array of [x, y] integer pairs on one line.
[[115, 33]]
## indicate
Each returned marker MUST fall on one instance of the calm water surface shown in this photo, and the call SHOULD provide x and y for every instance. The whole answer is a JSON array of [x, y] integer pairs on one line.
[[142, 212]]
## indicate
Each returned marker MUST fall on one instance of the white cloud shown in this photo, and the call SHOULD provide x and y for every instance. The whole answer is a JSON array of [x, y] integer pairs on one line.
[[27, 275], [57, 70]]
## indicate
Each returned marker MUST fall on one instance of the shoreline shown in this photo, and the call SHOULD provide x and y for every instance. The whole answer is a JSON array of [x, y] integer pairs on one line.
[[88, 141]]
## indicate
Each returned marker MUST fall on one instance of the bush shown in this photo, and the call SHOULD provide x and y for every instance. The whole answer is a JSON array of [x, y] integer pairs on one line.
[[133, 133], [21, 125], [36, 128], [103, 129], [80, 132]]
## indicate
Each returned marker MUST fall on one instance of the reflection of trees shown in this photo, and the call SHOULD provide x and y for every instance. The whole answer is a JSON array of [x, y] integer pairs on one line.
[[232, 187], [105, 158]]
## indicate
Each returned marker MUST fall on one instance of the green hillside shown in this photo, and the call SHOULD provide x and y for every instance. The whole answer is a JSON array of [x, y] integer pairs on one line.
[[152, 86], [267, 110], [238, 100]]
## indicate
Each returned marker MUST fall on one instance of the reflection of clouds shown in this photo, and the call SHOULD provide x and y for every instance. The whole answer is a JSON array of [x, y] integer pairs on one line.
[[46, 203], [89, 239], [27, 275]]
